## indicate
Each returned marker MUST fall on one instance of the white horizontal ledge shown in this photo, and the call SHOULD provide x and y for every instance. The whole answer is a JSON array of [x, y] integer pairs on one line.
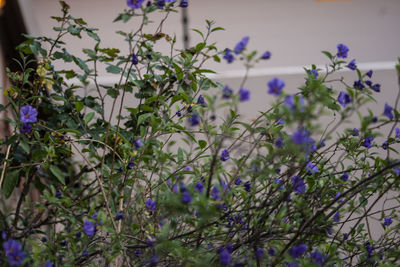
[[295, 70], [260, 72]]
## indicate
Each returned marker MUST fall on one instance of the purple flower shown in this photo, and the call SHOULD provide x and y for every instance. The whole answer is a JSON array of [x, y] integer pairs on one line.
[[150, 204], [311, 168], [271, 252], [374, 119], [275, 86], [135, 4], [336, 217], [238, 181], [317, 257], [85, 254], [315, 73], [239, 47], [397, 132], [279, 142], [342, 51], [224, 185], [259, 253], [199, 187], [224, 155], [344, 98], [358, 85], [184, 3], [344, 177], [244, 95], [215, 193], [227, 92], [178, 113], [298, 184], [247, 186], [78, 235], [119, 216], [387, 221], [368, 142], [26, 128], [388, 111], [194, 120], [138, 143], [266, 55], [49, 264], [201, 101], [300, 137], [58, 194], [228, 56], [186, 197], [352, 65], [369, 73], [12, 249], [225, 257], [160, 4], [28, 114], [135, 59], [376, 87], [355, 132], [298, 250], [385, 145], [89, 228]]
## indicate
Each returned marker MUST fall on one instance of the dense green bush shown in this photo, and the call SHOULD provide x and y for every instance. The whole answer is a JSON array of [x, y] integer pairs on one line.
[[177, 178]]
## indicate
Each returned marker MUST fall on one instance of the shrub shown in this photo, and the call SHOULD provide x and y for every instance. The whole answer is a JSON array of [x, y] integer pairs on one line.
[[176, 177]]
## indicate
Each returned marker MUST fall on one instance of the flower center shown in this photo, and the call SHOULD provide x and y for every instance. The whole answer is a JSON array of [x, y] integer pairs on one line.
[[27, 116]]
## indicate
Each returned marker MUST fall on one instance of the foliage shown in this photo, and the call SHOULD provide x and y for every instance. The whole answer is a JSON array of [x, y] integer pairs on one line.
[[177, 177]]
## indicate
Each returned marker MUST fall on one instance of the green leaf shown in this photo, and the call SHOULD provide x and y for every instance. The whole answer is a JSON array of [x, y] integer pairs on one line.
[[328, 54], [81, 64], [79, 106], [143, 117], [10, 182], [24, 146], [202, 144], [57, 173], [217, 29], [93, 35], [199, 32], [113, 69], [88, 117], [200, 46]]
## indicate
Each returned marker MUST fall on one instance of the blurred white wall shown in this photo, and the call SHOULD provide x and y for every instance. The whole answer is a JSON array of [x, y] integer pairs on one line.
[[295, 31]]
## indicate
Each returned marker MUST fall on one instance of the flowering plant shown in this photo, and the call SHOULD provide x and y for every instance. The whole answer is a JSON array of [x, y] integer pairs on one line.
[[177, 177]]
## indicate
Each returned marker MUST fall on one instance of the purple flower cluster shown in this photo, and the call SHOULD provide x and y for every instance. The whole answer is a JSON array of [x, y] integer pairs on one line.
[[28, 114], [13, 251], [298, 184]]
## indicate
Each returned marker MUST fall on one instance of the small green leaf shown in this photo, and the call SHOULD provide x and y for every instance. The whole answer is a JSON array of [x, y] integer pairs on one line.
[[79, 106], [10, 182], [113, 69], [202, 144], [57, 173], [88, 117], [143, 117]]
